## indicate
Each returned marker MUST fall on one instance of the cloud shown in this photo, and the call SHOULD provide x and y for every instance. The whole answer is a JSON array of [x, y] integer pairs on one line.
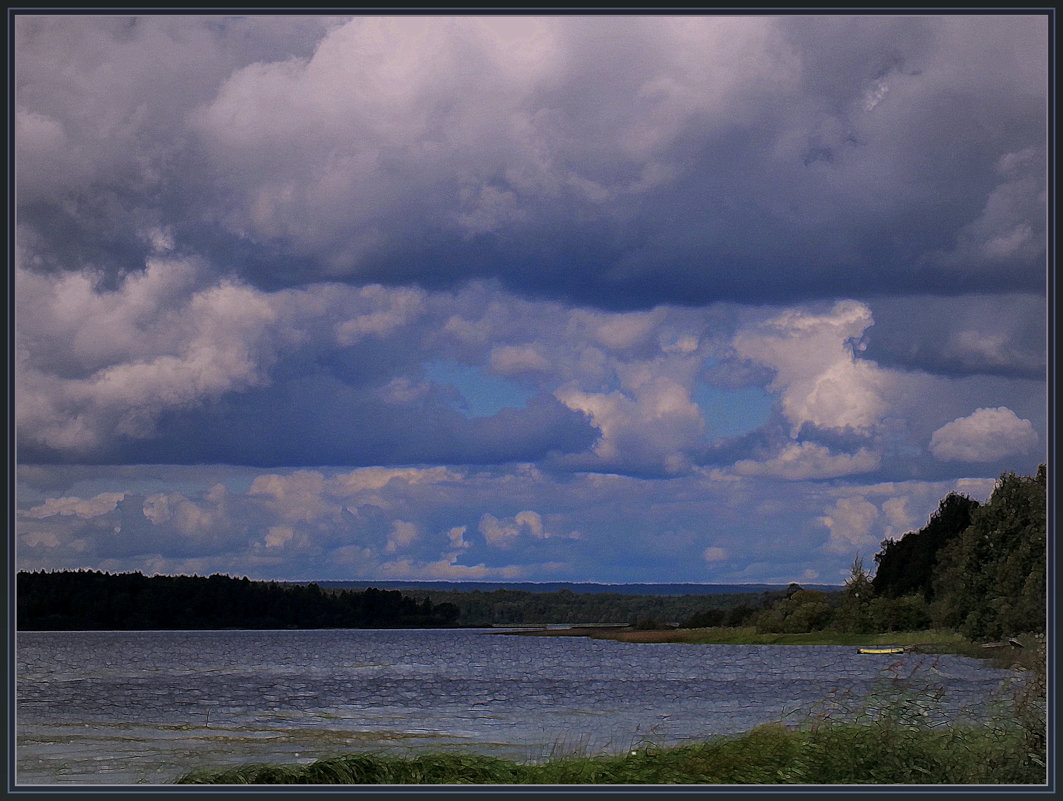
[[294, 497], [456, 537], [355, 482], [279, 536], [448, 569], [92, 362], [817, 375], [983, 436], [576, 296], [1000, 334], [715, 554], [850, 522], [599, 527], [401, 536], [515, 359], [618, 161], [503, 533], [84, 508], [393, 310], [807, 460]]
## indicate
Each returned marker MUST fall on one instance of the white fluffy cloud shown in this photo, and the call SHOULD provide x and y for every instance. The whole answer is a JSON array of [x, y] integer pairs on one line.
[[807, 460], [851, 522], [102, 504], [817, 375], [92, 362], [983, 436]]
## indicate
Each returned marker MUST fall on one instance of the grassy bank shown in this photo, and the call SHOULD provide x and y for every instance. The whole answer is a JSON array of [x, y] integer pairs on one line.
[[834, 754], [927, 641]]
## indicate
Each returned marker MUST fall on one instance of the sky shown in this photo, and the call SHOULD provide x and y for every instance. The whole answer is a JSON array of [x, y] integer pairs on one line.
[[693, 298]]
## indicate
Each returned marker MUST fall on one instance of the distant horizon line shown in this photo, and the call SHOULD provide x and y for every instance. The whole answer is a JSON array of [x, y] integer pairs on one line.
[[587, 582]]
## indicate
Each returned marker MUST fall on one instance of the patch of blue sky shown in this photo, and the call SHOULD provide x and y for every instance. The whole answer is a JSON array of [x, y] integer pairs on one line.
[[482, 394], [732, 412]]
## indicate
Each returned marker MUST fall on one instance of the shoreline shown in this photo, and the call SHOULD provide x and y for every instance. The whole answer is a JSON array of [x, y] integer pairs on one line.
[[929, 641]]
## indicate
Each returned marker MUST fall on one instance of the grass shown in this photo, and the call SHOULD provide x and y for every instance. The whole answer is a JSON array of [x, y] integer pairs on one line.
[[773, 754], [927, 641]]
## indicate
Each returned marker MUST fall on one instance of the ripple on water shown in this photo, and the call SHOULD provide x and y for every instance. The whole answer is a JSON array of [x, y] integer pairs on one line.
[[180, 700]]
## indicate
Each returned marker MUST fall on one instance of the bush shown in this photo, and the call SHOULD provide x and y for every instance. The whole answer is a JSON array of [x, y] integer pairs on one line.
[[910, 613], [708, 619]]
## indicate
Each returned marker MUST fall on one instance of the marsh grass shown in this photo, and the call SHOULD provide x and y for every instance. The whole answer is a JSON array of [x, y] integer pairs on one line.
[[933, 640]]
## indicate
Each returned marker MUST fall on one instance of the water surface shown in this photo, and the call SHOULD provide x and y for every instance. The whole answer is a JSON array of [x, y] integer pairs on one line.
[[145, 707]]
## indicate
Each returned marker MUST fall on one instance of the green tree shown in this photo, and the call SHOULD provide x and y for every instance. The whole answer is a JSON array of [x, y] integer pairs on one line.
[[908, 613], [854, 609], [992, 579], [801, 611], [907, 566]]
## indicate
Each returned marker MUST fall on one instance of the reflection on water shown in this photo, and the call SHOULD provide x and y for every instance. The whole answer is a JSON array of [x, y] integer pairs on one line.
[[145, 707]]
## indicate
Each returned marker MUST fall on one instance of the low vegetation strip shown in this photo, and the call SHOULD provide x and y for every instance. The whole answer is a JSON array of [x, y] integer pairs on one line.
[[882, 753], [927, 641]]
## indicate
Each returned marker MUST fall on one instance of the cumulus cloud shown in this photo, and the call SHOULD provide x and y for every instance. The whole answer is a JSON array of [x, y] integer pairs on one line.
[[279, 536], [349, 484], [808, 460], [401, 536], [391, 309], [117, 360], [983, 436], [522, 528], [177, 364], [295, 497], [456, 537], [851, 522], [818, 377], [600, 527], [101, 504], [448, 569]]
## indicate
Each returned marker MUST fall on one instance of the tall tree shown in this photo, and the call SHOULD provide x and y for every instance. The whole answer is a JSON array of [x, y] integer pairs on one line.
[[992, 581], [907, 566], [854, 609]]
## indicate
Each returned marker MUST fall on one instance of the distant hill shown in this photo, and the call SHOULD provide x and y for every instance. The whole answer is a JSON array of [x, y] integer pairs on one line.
[[571, 586], [493, 603]]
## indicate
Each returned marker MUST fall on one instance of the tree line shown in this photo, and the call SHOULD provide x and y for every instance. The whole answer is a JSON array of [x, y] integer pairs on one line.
[[92, 600], [980, 570], [511, 607]]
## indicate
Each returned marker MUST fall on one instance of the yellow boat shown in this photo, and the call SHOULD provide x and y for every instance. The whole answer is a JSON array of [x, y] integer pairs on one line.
[[880, 650]]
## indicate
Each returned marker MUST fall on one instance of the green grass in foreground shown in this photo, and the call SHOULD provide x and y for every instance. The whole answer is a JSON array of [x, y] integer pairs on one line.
[[837, 754]]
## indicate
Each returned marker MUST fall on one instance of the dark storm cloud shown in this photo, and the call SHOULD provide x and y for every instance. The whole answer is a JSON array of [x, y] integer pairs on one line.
[[1002, 334], [617, 162], [315, 421]]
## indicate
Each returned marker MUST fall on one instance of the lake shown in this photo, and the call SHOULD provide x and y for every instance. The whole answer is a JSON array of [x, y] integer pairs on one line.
[[117, 708]]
